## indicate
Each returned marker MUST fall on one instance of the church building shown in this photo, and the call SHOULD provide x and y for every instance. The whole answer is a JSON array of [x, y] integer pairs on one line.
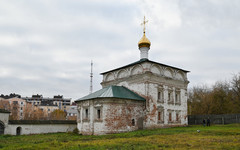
[[143, 94]]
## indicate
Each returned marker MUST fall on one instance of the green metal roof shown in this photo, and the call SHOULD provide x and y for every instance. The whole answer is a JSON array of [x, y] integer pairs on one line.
[[113, 92]]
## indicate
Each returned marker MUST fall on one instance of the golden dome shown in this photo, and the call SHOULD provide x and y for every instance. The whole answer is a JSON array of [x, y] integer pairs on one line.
[[144, 42]]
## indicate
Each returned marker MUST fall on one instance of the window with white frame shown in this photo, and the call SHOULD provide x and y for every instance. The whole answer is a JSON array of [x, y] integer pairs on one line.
[[86, 113], [160, 96], [170, 96], [160, 115], [178, 116], [98, 113], [177, 97], [170, 116]]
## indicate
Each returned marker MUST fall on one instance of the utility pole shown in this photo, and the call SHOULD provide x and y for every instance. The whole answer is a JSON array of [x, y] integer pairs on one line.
[[91, 76]]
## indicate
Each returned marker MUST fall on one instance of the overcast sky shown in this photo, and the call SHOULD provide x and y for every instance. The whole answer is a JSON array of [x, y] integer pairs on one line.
[[46, 46]]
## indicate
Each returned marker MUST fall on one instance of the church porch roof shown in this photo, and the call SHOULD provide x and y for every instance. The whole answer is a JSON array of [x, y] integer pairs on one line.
[[113, 92]]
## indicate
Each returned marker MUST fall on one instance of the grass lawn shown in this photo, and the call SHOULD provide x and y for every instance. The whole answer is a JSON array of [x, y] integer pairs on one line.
[[214, 137]]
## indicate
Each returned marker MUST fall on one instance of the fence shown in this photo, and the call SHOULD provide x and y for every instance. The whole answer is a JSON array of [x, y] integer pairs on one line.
[[215, 119]]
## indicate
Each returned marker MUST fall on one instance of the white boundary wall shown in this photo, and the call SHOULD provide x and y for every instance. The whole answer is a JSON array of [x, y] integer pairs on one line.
[[35, 126], [38, 128]]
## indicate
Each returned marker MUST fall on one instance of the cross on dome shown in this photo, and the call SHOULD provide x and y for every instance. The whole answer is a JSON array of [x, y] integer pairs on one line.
[[144, 24], [144, 41]]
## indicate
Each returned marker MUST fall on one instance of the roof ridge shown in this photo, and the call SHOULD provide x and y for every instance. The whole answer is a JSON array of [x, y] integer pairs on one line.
[[113, 91], [144, 60]]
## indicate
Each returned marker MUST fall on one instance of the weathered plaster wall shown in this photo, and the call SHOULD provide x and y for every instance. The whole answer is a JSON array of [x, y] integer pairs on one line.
[[117, 115], [157, 69], [4, 118], [147, 79], [39, 128], [11, 128], [126, 115]]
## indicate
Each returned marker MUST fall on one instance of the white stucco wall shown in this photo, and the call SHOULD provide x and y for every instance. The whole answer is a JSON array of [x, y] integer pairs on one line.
[[146, 79], [34, 128], [39, 128], [4, 118]]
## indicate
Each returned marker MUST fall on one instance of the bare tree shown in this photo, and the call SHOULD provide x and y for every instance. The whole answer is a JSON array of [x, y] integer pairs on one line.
[[33, 113], [58, 115], [4, 104], [222, 98], [235, 82], [236, 85]]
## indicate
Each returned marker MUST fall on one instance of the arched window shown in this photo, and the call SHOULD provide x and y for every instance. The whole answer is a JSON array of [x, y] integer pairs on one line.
[[18, 131]]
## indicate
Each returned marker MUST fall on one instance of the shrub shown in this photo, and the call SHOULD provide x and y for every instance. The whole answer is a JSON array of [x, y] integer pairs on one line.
[[76, 131]]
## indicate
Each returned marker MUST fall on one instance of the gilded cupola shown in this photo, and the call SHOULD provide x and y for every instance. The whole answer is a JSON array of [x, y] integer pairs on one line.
[[144, 44], [144, 41]]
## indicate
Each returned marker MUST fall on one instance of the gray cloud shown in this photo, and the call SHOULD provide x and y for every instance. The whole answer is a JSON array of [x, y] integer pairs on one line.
[[46, 46]]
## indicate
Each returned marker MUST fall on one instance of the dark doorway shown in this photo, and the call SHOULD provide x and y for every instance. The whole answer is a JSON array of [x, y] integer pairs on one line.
[[1, 128], [140, 123], [133, 122], [19, 130]]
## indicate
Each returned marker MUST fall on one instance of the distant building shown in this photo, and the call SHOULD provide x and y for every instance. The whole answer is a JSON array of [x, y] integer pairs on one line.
[[31, 108], [58, 100], [72, 113], [4, 104], [14, 104], [17, 108], [47, 109]]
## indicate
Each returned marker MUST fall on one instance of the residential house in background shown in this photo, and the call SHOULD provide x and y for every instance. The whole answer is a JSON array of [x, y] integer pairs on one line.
[[72, 113], [32, 108], [58, 100]]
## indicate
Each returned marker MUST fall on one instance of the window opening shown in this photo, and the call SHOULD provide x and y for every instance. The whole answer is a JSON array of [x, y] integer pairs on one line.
[[177, 117], [86, 113], [159, 116], [170, 117], [159, 95], [133, 122], [98, 113]]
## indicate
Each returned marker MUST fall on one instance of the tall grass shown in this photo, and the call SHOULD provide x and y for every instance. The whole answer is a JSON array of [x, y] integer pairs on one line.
[[214, 137]]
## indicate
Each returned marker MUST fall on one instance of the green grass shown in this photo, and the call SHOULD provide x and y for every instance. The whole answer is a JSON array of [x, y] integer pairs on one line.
[[214, 137]]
